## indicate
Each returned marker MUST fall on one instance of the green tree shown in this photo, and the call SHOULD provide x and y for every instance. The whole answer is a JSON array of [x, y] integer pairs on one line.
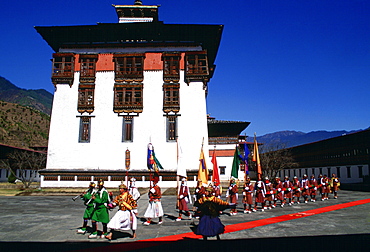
[[27, 163]]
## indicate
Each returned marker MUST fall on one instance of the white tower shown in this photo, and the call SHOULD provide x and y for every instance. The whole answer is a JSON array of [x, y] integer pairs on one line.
[[122, 86]]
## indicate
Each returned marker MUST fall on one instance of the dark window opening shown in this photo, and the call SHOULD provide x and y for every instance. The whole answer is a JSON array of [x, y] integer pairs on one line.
[[85, 126], [171, 128], [348, 172], [222, 170], [127, 135]]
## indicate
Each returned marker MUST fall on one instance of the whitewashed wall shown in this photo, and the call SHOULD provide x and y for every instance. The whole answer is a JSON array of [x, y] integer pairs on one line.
[[106, 151]]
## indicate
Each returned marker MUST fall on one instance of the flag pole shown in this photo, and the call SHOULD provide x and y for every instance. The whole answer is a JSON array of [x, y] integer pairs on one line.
[[177, 174], [256, 158]]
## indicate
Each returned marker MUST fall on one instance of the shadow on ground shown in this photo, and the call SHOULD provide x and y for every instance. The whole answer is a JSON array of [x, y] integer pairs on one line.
[[306, 243]]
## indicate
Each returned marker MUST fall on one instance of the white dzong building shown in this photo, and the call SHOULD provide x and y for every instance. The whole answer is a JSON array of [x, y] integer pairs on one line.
[[120, 86]]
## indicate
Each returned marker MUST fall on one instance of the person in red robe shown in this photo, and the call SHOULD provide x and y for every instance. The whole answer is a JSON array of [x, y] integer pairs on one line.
[[183, 198], [296, 190], [260, 192], [305, 188], [269, 194], [279, 192], [312, 184], [248, 196], [325, 188], [232, 196], [288, 191]]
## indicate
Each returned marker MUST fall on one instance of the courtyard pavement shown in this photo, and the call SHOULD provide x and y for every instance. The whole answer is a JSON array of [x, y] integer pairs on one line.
[[49, 223]]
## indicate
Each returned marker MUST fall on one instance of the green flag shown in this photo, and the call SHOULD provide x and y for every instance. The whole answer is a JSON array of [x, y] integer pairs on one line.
[[236, 163]]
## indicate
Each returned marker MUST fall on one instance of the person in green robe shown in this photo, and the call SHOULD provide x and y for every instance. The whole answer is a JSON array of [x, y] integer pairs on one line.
[[87, 198], [100, 214]]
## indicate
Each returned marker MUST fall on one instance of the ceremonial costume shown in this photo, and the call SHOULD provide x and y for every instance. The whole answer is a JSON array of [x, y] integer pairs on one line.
[[260, 191], [288, 190], [183, 198], [209, 207], [154, 209], [248, 196], [334, 185], [199, 193], [134, 193], [86, 197], [269, 194], [125, 218], [100, 200], [312, 183], [296, 190], [232, 196], [325, 188], [319, 186], [217, 191], [279, 192], [305, 188]]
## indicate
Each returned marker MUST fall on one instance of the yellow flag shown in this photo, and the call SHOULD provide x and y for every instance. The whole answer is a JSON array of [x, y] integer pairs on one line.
[[203, 171]]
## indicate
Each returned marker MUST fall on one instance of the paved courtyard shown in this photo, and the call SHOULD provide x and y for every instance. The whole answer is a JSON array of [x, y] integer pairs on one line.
[[49, 223]]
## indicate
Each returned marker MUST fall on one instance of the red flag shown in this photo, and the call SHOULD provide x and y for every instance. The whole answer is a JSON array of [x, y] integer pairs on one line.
[[216, 175]]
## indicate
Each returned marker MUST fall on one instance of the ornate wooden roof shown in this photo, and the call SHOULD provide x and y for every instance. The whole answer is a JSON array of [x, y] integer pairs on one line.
[[142, 34]]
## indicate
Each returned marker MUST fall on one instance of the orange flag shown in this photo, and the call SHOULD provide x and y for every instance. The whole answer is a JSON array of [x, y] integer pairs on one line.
[[256, 158]]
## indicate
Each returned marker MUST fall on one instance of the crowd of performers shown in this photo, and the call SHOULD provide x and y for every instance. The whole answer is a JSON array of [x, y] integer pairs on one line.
[[268, 194], [208, 205]]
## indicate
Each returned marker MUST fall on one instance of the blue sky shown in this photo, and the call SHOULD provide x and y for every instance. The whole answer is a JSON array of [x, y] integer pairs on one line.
[[282, 65]]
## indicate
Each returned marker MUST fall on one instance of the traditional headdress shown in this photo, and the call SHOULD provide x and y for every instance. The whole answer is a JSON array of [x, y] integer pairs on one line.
[[122, 186], [209, 189]]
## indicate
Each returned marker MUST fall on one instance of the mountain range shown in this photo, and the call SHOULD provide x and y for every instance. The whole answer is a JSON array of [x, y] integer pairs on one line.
[[39, 99], [291, 138]]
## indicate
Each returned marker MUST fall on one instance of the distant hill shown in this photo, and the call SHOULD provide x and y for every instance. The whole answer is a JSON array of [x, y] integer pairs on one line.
[[295, 138], [39, 99], [22, 126]]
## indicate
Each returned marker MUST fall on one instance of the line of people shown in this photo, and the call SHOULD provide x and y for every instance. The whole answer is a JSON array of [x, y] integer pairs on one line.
[[207, 202], [268, 194]]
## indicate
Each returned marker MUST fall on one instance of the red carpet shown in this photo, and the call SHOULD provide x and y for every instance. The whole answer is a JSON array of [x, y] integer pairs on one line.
[[127, 246]]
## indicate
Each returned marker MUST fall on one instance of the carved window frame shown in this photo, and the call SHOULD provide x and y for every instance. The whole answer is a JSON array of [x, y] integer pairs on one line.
[[86, 93], [88, 67], [128, 97], [129, 67], [171, 67], [63, 68], [196, 66], [171, 97]]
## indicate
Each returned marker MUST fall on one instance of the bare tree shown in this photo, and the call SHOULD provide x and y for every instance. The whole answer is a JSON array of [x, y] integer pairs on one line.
[[27, 163], [274, 158]]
